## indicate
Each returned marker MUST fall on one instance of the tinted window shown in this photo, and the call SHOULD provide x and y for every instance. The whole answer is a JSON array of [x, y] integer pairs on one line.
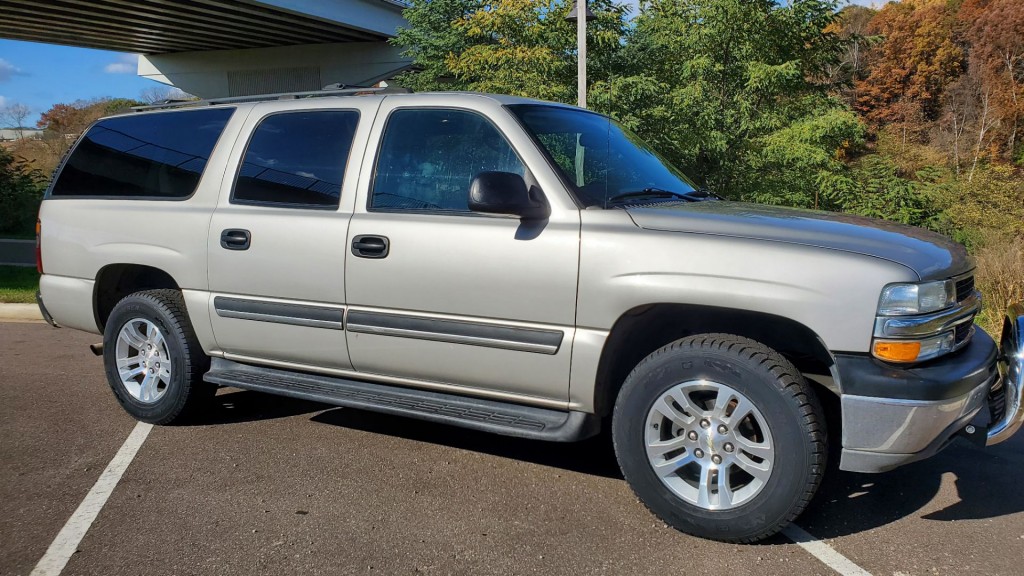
[[159, 155], [429, 157], [297, 159]]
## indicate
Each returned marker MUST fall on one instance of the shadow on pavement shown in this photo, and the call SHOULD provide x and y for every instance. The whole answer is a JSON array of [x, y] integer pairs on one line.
[[986, 479], [235, 406], [593, 456], [986, 482]]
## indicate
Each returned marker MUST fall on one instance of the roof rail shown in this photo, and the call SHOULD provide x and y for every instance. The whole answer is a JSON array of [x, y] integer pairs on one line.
[[330, 90]]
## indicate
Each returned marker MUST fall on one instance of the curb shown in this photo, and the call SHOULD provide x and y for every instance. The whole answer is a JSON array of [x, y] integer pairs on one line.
[[20, 313]]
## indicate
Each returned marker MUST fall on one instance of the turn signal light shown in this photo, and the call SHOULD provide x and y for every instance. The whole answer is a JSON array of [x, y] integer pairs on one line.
[[897, 351], [914, 350]]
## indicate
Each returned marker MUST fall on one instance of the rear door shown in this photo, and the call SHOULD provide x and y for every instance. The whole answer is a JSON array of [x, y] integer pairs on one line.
[[278, 237]]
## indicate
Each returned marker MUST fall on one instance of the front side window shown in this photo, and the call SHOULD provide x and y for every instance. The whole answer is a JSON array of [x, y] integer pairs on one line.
[[158, 155], [601, 160], [429, 157], [297, 159]]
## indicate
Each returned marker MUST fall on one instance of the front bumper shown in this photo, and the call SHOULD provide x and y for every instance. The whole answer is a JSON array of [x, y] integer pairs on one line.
[[897, 415]]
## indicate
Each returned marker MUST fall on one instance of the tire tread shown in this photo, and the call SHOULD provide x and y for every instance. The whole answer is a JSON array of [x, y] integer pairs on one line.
[[790, 383], [196, 394]]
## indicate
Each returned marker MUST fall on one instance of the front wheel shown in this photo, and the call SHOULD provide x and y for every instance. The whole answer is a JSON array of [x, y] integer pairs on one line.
[[721, 437]]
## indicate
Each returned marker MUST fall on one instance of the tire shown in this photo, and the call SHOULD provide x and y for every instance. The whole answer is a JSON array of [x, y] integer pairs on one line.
[[160, 377], [768, 442]]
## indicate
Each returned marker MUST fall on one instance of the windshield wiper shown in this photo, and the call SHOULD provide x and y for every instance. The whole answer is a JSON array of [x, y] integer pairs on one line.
[[651, 193], [704, 193]]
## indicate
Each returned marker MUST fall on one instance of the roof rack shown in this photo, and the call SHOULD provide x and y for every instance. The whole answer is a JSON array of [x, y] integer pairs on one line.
[[326, 91]]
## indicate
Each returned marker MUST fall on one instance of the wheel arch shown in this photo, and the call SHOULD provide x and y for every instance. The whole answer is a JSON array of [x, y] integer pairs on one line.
[[115, 281], [643, 329]]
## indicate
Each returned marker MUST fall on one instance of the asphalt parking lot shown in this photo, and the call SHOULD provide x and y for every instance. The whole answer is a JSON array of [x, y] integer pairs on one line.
[[277, 486]]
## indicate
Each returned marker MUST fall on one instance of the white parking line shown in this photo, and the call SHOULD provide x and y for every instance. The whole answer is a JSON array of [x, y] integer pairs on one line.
[[67, 540], [823, 552]]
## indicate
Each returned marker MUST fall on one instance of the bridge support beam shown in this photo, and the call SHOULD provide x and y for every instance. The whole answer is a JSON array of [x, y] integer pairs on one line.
[[223, 73]]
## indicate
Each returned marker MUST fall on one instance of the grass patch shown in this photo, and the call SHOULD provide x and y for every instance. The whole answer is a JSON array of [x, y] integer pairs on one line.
[[1000, 277], [18, 284]]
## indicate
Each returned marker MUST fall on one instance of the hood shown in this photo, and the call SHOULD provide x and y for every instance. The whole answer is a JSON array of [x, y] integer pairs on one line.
[[931, 255]]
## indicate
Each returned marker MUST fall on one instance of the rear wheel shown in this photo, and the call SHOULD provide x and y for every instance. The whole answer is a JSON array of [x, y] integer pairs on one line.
[[721, 437], [153, 361]]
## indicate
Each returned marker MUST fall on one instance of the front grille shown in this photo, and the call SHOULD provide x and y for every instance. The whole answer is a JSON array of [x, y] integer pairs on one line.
[[962, 332], [964, 288]]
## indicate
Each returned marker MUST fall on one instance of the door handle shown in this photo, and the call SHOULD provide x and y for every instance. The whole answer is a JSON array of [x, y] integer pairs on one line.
[[368, 246], [235, 239]]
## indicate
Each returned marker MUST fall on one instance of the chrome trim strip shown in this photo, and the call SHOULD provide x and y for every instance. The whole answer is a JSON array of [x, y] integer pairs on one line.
[[928, 324], [311, 316], [455, 331]]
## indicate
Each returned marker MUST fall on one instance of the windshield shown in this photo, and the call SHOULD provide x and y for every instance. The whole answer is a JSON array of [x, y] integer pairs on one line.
[[603, 162]]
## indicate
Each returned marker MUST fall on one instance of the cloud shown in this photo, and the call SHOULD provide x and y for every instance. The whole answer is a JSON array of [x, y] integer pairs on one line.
[[126, 64], [8, 71], [3, 101]]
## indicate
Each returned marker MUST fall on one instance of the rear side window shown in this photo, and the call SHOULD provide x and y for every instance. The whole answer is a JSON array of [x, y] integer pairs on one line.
[[297, 159], [160, 155]]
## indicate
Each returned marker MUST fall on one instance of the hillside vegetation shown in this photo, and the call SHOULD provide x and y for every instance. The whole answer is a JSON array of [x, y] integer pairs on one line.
[[913, 113]]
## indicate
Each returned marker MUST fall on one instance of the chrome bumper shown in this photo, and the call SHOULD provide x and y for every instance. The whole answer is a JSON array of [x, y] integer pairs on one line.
[[882, 433], [1005, 397]]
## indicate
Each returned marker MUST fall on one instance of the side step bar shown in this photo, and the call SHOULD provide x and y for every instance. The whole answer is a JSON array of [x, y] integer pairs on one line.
[[479, 414]]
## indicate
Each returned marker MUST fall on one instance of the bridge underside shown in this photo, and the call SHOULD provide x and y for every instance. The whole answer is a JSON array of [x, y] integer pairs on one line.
[[217, 48], [165, 26]]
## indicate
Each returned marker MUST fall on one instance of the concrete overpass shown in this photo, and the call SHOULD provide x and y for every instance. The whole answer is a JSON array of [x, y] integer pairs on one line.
[[218, 48]]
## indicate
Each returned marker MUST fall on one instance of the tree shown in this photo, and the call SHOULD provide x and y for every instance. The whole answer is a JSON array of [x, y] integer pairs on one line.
[[21, 189], [727, 90], [14, 115], [912, 66], [994, 30], [852, 26], [62, 124], [519, 47]]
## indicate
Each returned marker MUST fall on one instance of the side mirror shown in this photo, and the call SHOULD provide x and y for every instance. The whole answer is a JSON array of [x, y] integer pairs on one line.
[[505, 193]]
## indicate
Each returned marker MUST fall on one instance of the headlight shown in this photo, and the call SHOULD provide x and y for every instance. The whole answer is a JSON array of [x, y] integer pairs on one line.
[[907, 299]]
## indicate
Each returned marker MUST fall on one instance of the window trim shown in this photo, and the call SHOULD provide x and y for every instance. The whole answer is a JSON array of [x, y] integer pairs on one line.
[[569, 185], [48, 194], [293, 205], [527, 175]]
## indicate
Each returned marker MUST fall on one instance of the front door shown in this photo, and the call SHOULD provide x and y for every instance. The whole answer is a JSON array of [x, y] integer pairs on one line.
[[277, 240], [450, 299]]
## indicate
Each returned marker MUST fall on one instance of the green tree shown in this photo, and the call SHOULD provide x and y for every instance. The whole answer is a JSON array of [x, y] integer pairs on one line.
[[519, 47], [21, 190], [883, 193], [727, 89]]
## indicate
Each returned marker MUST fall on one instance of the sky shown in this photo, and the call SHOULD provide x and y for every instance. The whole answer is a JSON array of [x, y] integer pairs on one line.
[[41, 75]]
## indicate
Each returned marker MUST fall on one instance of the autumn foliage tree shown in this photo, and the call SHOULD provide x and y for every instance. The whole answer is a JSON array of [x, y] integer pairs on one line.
[[909, 70], [994, 33]]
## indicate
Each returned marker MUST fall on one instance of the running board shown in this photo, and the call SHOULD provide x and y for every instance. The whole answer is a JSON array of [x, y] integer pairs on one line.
[[488, 415]]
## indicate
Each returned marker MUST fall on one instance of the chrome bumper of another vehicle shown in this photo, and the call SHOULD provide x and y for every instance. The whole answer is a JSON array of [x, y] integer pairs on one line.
[[1005, 397]]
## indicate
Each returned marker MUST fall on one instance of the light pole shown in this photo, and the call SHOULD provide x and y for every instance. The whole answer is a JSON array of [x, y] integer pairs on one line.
[[581, 15]]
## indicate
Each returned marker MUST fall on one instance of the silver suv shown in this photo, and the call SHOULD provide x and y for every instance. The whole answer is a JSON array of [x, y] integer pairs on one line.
[[523, 268]]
